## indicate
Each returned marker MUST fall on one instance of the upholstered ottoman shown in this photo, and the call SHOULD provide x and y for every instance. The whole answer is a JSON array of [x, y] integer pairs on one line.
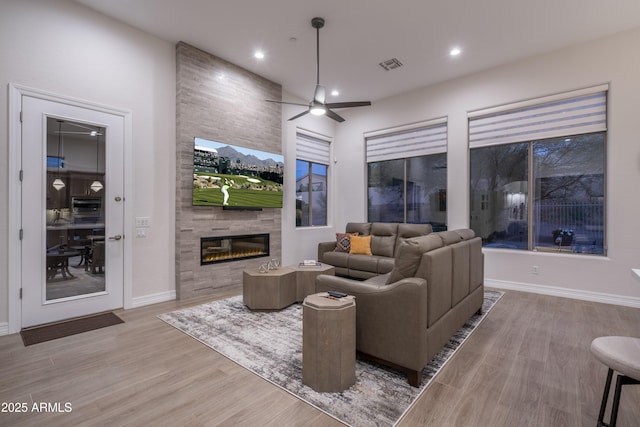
[[306, 278], [328, 342], [272, 290]]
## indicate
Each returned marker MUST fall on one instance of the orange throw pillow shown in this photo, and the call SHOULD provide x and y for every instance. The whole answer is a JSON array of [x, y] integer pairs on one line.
[[361, 245]]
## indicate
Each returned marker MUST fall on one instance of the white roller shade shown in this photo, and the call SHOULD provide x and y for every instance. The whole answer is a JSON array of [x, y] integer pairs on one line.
[[405, 142], [548, 118], [312, 148]]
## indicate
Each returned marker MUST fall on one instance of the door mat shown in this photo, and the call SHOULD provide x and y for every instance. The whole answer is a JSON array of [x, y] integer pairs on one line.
[[54, 331]]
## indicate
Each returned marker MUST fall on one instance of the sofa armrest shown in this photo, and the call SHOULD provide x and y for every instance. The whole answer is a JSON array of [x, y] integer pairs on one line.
[[391, 320], [325, 247]]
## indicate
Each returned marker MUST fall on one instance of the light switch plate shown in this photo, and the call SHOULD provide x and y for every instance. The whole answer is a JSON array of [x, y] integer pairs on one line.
[[143, 221]]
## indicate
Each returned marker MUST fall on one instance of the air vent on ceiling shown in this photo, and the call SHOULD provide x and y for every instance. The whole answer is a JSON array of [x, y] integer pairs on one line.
[[391, 64]]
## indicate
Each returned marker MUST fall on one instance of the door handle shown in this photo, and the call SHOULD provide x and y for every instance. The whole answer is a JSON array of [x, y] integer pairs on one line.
[[116, 237]]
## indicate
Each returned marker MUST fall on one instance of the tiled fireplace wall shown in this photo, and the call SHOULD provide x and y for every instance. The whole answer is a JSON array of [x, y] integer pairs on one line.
[[219, 101]]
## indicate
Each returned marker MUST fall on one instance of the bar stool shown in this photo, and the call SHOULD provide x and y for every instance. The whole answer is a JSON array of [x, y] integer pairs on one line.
[[620, 354]]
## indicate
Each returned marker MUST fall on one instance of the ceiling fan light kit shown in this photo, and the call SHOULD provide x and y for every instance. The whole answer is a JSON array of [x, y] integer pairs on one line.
[[317, 106], [318, 109]]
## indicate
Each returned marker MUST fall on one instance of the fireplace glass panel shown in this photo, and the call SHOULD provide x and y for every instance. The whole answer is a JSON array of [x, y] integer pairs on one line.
[[232, 248]]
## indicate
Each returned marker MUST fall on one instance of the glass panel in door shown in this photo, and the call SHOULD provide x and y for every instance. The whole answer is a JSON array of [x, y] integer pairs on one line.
[[75, 209]]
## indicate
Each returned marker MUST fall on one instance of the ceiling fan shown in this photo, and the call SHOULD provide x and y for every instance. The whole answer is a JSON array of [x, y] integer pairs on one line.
[[317, 105]]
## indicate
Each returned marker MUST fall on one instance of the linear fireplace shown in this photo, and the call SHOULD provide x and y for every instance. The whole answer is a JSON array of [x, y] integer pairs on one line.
[[233, 248]]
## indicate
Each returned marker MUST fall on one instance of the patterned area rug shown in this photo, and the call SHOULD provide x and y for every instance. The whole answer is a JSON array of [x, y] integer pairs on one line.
[[270, 345]]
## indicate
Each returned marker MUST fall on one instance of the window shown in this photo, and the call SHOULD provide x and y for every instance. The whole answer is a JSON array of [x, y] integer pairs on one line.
[[386, 191], [538, 175], [407, 174], [312, 167]]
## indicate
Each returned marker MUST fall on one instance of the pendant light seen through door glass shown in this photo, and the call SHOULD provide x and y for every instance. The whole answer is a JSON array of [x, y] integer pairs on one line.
[[58, 184], [97, 185]]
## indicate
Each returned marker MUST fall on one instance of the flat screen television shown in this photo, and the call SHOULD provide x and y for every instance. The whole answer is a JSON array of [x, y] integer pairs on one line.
[[236, 177]]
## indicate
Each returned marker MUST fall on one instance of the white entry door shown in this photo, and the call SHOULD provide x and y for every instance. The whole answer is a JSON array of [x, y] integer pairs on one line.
[[72, 198]]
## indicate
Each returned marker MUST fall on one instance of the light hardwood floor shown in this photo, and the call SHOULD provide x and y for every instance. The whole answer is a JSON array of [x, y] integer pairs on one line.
[[527, 364]]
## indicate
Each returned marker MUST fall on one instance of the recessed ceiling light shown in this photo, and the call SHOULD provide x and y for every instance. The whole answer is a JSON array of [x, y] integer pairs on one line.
[[455, 51], [259, 54], [335, 92]]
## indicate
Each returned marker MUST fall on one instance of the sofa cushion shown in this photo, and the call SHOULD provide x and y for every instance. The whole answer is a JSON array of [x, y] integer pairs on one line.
[[409, 255], [436, 267], [465, 233], [449, 237], [377, 280], [383, 238], [362, 228], [460, 253], [366, 263], [343, 242], [361, 245], [476, 264], [385, 265], [337, 259], [407, 231]]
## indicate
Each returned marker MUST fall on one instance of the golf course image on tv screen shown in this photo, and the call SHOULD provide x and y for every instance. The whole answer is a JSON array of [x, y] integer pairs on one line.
[[235, 176]]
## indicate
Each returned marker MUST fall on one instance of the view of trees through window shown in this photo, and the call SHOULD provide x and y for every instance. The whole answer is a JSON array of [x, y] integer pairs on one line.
[[412, 190], [311, 193], [546, 195]]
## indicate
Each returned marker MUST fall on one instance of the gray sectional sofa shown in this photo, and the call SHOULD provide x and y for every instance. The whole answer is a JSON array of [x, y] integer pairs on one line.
[[404, 317], [385, 241]]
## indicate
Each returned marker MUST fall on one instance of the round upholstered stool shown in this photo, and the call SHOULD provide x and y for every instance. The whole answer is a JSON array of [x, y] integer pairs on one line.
[[620, 354]]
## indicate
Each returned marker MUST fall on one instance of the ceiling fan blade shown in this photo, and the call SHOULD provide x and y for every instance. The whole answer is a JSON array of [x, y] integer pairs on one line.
[[334, 116], [299, 115], [319, 94], [285, 102], [348, 104]]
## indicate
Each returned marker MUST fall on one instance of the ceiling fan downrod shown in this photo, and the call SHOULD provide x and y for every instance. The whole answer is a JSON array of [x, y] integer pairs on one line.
[[317, 23], [318, 105]]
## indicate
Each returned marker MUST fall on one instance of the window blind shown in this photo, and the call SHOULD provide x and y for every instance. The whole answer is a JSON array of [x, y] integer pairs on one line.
[[407, 141], [312, 148], [552, 117]]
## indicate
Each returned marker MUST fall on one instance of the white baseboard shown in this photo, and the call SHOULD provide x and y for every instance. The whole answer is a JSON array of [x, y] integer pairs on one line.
[[626, 301], [153, 299], [137, 302]]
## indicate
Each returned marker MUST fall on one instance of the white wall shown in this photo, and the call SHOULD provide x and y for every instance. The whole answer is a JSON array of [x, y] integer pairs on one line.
[[61, 47], [612, 60], [299, 243]]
